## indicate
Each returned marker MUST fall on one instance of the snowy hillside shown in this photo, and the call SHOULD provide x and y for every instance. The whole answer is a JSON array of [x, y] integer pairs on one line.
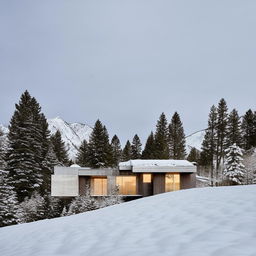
[[72, 133], [195, 140], [194, 222]]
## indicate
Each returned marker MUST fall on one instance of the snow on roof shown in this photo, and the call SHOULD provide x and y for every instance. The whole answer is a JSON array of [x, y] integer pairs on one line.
[[161, 163], [75, 165]]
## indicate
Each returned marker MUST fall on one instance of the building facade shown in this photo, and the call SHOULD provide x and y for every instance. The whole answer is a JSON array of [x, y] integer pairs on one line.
[[134, 178]]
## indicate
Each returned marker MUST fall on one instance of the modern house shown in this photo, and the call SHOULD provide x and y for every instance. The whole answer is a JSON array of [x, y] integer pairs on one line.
[[134, 178]]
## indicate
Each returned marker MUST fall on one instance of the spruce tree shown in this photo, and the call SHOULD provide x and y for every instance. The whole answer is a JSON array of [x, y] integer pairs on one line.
[[234, 134], [26, 145], [249, 130], [221, 131], [8, 202], [209, 144], [136, 147], [3, 149], [59, 148], [194, 155], [161, 138], [116, 149], [149, 150], [100, 151], [127, 152], [234, 171], [83, 155], [48, 164], [177, 142]]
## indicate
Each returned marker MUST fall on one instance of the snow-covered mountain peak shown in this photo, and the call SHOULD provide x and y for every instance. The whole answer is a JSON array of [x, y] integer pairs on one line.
[[72, 133]]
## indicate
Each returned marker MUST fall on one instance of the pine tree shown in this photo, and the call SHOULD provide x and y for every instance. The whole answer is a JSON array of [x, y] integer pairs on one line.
[[26, 147], [116, 149], [100, 151], [32, 209], [149, 150], [234, 134], [48, 164], [177, 142], [161, 138], [83, 203], [194, 155], [221, 131], [136, 147], [59, 148], [83, 155], [3, 149], [127, 152], [249, 130], [234, 171], [8, 202], [209, 144]]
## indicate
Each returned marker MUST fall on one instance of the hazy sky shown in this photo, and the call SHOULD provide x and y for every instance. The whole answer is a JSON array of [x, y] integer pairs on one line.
[[126, 61]]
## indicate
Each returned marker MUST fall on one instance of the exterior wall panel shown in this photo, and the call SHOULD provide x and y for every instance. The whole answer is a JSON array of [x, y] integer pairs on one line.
[[187, 180], [158, 183]]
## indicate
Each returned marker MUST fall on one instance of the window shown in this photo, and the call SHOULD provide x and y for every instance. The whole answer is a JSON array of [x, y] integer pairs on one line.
[[147, 178], [126, 185], [172, 182], [99, 186]]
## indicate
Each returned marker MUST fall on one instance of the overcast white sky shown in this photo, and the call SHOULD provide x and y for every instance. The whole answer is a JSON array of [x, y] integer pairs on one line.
[[125, 62]]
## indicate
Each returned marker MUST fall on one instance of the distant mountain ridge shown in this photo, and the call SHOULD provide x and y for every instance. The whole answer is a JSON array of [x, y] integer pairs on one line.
[[72, 133]]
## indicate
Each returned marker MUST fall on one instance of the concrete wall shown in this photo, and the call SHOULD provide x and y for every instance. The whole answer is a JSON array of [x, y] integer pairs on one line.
[[64, 185], [187, 180], [158, 183], [164, 169]]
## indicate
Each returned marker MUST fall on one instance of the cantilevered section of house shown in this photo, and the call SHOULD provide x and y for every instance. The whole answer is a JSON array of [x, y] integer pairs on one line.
[[134, 178]]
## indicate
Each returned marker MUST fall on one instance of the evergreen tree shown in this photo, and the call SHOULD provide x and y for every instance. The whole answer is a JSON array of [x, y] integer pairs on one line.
[[83, 203], [59, 148], [149, 150], [48, 164], [161, 138], [249, 130], [127, 152], [3, 149], [210, 142], [136, 147], [177, 142], [32, 209], [194, 155], [100, 151], [8, 202], [221, 131], [234, 134], [234, 171], [26, 146], [83, 155], [116, 149]]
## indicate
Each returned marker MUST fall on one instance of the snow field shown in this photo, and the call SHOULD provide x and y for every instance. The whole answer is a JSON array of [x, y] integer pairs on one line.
[[197, 222]]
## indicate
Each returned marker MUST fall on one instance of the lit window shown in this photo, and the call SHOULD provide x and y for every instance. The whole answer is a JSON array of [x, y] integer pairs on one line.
[[99, 186], [126, 185], [147, 178], [172, 182]]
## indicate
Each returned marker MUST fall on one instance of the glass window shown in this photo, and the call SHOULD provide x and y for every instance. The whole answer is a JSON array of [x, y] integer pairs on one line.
[[99, 186], [172, 182], [126, 185], [147, 178]]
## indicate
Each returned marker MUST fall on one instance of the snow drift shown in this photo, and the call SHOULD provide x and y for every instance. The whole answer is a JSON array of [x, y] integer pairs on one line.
[[199, 222]]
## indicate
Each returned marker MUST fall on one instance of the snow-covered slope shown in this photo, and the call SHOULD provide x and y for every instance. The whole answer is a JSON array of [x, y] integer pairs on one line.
[[194, 222], [195, 140], [72, 133]]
